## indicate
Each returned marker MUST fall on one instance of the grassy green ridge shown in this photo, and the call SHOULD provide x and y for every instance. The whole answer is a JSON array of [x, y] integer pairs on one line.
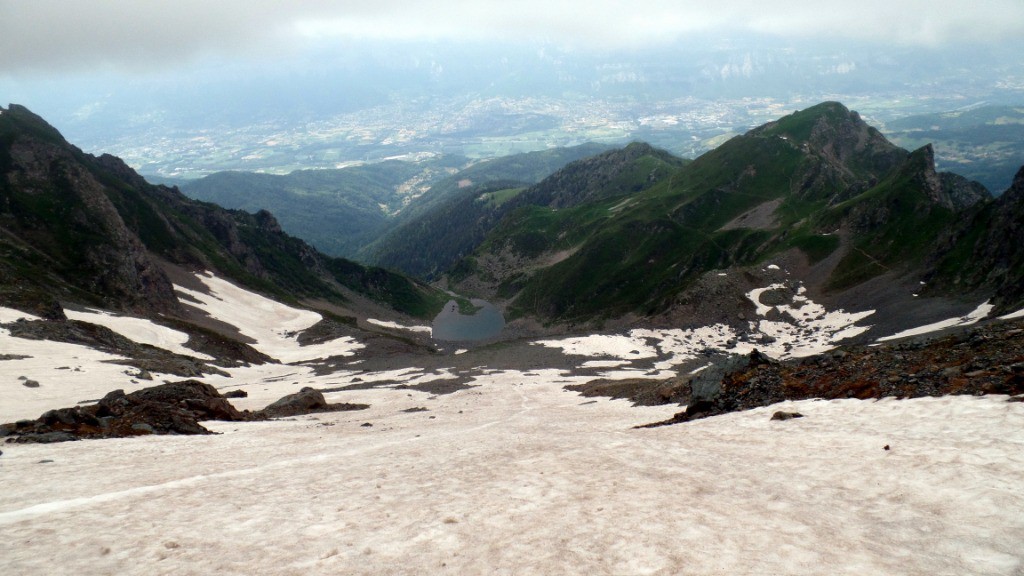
[[825, 168], [337, 211], [435, 235]]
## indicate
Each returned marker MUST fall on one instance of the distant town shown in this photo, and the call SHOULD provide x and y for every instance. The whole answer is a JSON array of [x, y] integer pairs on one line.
[[474, 127]]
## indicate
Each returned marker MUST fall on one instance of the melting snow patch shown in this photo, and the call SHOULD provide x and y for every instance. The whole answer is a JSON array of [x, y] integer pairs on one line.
[[618, 346], [274, 326], [977, 314], [812, 329], [1012, 315], [140, 330], [604, 363], [809, 330], [397, 326], [701, 369], [755, 297], [8, 315], [682, 345]]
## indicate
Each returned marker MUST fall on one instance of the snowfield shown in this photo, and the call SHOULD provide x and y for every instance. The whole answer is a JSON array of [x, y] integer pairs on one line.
[[66, 373], [139, 330], [518, 476], [274, 326], [512, 474], [808, 330]]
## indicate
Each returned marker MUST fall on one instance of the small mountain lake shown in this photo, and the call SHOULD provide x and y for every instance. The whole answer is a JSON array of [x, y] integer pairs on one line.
[[450, 325]]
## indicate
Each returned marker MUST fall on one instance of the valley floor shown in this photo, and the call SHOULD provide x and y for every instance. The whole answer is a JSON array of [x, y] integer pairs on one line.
[[518, 476]]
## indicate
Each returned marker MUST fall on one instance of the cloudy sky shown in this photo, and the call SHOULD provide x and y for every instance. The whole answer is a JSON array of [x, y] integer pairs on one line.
[[41, 37]]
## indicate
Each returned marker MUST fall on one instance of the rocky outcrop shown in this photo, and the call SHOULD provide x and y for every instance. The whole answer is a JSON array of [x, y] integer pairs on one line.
[[984, 360], [52, 198], [983, 252], [174, 408], [171, 408], [949, 190], [1000, 250], [144, 357]]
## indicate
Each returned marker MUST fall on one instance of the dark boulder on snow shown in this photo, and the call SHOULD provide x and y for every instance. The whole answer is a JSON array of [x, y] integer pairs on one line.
[[782, 415], [302, 402], [173, 408], [305, 401]]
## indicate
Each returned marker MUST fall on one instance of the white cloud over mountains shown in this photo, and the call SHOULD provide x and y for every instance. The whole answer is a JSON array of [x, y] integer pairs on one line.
[[44, 36]]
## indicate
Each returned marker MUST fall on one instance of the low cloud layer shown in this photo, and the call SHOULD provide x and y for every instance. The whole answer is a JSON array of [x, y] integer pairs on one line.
[[44, 36]]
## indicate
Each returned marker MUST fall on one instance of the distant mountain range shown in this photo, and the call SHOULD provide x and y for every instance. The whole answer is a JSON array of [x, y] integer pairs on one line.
[[570, 237]]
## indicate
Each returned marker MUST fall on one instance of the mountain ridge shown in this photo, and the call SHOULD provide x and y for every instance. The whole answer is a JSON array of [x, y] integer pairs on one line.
[[834, 186], [91, 230]]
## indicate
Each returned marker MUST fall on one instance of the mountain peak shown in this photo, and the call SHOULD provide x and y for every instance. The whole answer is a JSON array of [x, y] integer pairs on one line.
[[605, 175], [803, 125], [943, 188], [17, 118], [839, 136]]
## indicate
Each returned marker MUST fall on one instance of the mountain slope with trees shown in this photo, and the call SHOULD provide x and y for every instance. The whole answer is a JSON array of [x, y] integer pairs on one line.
[[435, 237]]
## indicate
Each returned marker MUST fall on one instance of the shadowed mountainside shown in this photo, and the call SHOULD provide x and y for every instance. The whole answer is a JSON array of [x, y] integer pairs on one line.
[[90, 230]]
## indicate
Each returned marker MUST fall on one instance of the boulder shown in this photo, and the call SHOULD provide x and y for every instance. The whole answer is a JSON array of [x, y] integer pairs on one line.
[[305, 401], [302, 402], [781, 415]]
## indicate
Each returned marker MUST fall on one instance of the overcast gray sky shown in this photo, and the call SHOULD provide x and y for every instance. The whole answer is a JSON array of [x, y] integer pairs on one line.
[[38, 37]]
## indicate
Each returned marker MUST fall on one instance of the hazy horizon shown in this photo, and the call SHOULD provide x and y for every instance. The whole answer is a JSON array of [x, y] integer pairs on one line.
[[74, 37], [156, 83]]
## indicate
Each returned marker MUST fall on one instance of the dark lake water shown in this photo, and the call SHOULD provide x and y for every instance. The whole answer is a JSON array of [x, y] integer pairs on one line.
[[451, 326]]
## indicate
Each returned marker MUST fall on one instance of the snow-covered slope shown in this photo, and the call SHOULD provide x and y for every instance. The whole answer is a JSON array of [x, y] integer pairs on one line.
[[39, 375], [274, 326], [510, 473], [518, 476], [801, 328]]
